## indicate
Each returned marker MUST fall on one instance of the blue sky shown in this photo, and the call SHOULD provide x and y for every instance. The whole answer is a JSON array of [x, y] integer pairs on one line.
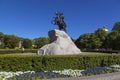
[[32, 18]]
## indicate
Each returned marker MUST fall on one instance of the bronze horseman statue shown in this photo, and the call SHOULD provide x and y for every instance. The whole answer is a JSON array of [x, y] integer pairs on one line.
[[59, 20]]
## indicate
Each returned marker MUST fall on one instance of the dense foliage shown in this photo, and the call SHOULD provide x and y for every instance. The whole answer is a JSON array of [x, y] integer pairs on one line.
[[27, 43], [43, 63], [101, 39], [88, 41], [112, 40], [12, 41], [116, 27], [8, 41], [41, 41]]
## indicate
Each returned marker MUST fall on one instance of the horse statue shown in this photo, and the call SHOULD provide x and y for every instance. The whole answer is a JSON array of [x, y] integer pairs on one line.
[[59, 20]]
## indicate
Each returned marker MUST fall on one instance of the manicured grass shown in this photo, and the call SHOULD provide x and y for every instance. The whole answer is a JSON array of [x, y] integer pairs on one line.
[[13, 51]]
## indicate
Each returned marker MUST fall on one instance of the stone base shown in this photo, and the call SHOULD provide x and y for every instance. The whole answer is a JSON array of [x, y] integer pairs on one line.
[[60, 44]]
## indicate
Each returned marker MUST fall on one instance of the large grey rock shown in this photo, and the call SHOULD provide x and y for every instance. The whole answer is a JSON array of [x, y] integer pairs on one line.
[[60, 44]]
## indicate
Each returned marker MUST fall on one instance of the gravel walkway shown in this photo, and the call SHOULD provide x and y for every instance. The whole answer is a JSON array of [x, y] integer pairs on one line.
[[109, 76]]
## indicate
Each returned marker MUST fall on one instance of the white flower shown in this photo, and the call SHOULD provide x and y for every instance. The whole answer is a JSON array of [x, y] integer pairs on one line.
[[18, 73], [5, 75], [56, 71], [73, 73], [115, 66]]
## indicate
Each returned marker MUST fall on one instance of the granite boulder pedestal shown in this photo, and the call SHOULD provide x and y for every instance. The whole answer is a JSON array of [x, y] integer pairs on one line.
[[60, 44]]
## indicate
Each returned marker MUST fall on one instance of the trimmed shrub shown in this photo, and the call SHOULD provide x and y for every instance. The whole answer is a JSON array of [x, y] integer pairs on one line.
[[43, 63]]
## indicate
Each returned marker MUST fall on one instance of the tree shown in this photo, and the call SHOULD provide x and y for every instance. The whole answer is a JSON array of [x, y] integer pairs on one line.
[[101, 33], [89, 41], [117, 43], [112, 40], [116, 27], [27, 43], [82, 41], [11, 41], [1, 36], [94, 41], [41, 41], [1, 40]]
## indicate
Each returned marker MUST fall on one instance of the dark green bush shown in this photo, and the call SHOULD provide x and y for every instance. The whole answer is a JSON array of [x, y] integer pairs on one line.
[[43, 63]]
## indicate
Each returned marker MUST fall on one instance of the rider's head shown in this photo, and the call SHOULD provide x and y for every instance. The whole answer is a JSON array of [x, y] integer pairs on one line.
[[56, 12]]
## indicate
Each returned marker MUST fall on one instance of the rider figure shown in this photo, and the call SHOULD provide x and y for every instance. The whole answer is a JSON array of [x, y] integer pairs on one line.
[[59, 20]]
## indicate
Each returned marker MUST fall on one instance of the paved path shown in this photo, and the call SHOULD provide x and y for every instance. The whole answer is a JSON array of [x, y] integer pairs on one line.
[[110, 76]]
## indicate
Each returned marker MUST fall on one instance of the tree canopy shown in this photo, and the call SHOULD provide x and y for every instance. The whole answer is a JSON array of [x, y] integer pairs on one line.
[[11, 41], [88, 41], [41, 41], [116, 27], [27, 43]]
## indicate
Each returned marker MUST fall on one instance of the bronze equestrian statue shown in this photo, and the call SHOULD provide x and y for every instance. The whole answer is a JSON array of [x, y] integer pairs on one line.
[[59, 20]]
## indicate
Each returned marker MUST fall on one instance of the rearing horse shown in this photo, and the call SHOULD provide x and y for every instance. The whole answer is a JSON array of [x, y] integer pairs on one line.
[[59, 20]]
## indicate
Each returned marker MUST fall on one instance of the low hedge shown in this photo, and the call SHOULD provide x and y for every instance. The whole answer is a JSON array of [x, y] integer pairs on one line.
[[43, 63], [10, 51]]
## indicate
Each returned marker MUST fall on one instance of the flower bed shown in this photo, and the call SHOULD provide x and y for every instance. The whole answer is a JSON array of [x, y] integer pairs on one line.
[[36, 75]]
